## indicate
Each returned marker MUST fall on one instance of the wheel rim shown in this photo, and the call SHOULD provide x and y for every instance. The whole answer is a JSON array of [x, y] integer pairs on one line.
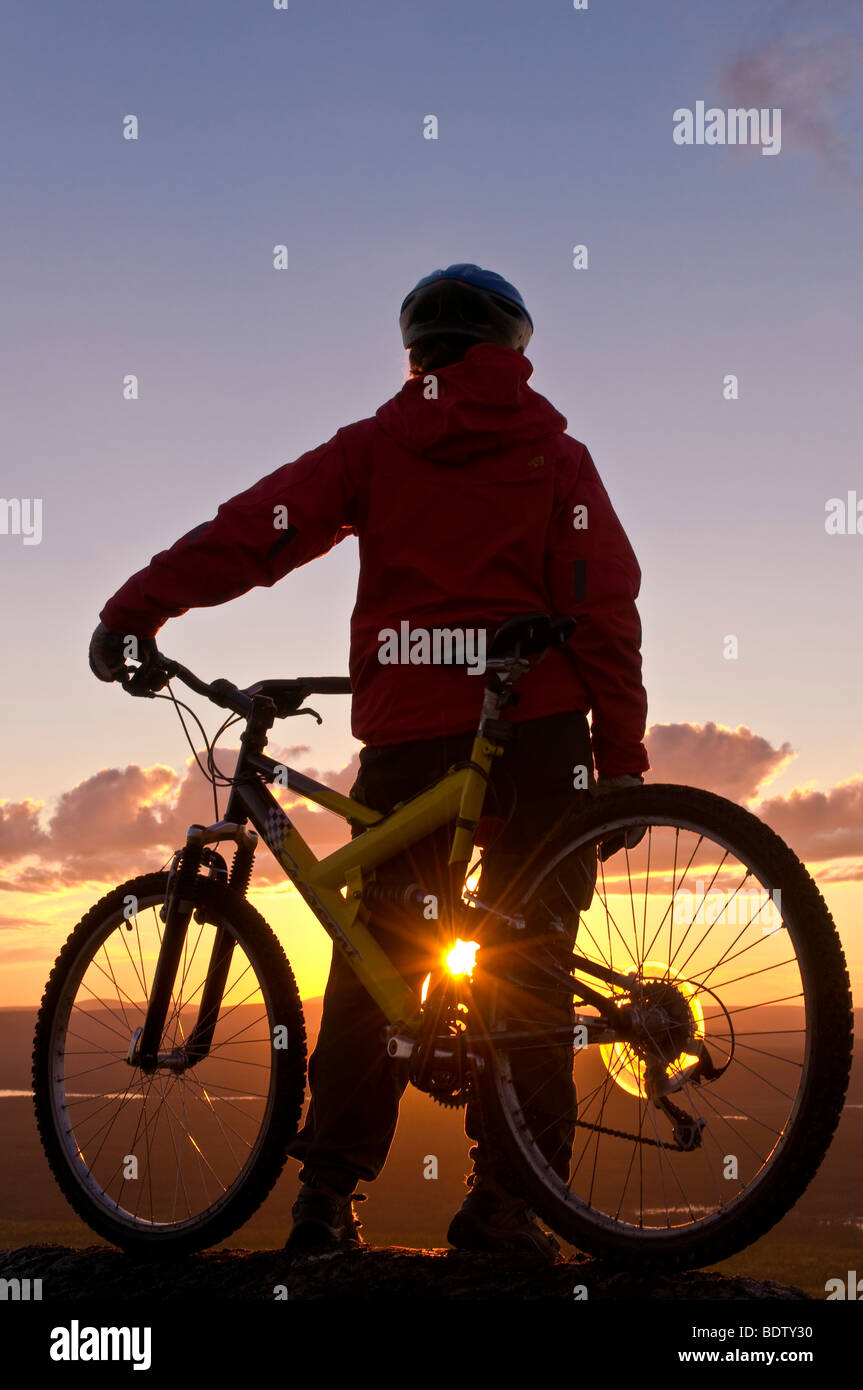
[[755, 1003], [159, 1155]]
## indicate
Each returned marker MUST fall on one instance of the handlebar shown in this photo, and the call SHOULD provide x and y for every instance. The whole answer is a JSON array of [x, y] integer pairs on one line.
[[286, 695]]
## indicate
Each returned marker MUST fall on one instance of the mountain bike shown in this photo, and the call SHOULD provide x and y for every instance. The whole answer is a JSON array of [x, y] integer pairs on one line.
[[665, 954]]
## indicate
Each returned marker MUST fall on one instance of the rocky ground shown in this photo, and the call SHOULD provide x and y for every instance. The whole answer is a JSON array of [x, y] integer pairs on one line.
[[382, 1272]]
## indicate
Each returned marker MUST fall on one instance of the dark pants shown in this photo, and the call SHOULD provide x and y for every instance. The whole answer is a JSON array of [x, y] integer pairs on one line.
[[355, 1086]]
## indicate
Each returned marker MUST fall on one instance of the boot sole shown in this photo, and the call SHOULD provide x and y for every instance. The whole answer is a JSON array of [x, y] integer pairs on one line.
[[314, 1239], [466, 1234]]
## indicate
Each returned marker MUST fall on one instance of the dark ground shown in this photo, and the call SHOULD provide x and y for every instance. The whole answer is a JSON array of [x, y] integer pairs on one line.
[[389, 1272]]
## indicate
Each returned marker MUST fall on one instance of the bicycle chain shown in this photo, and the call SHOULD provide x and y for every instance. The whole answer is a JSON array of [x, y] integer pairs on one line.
[[639, 1138]]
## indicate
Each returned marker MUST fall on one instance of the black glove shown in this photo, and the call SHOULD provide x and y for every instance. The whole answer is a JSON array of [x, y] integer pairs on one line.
[[624, 838], [110, 650]]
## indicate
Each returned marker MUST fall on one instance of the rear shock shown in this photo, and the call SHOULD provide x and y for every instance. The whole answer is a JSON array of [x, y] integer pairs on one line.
[[406, 896]]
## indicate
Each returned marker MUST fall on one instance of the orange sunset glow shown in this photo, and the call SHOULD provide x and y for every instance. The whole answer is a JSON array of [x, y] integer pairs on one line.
[[122, 821]]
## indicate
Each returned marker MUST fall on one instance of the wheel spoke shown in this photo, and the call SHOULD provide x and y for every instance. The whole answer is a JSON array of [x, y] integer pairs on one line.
[[715, 1025], [194, 1131]]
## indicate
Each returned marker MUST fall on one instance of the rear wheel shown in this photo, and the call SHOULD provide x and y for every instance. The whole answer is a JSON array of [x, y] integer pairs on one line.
[[703, 1120], [177, 1159]]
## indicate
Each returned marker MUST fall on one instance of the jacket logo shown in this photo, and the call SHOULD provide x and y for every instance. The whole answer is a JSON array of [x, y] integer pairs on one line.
[[536, 462]]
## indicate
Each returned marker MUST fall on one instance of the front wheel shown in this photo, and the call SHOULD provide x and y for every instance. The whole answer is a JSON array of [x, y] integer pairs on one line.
[[174, 1159], [704, 1116]]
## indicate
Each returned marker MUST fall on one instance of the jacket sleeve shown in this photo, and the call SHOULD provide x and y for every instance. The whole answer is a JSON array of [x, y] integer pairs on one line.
[[596, 579], [291, 516]]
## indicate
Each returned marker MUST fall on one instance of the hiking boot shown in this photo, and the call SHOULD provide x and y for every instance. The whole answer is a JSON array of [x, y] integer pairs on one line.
[[498, 1222], [324, 1221]]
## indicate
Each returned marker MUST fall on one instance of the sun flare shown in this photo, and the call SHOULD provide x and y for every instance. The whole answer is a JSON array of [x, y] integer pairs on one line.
[[461, 957]]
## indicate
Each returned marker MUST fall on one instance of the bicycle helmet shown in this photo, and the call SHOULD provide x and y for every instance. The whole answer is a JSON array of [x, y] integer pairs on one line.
[[467, 301]]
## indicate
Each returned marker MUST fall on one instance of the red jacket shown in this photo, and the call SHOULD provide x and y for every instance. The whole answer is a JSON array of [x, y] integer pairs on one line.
[[464, 507]]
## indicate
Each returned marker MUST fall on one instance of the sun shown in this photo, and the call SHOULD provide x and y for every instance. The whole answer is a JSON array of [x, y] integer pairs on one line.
[[461, 957]]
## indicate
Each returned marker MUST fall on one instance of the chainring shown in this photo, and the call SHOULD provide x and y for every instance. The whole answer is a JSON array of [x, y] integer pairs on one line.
[[453, 1099]]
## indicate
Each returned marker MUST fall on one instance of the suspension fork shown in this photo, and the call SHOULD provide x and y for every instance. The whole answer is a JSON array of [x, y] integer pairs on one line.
[[144, 1046], [179, 905]]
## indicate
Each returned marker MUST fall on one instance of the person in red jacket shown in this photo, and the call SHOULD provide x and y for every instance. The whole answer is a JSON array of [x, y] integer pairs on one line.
[[471, 504]]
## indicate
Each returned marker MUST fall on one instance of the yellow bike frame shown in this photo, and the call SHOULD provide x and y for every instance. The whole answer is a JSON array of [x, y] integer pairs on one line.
[[333, 886]]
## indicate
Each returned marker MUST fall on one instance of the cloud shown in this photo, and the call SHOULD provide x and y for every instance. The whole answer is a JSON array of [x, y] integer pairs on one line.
[[820, 825], [841, 872], [8, 886], [20, 832], [116, 808], [729, 762], [802, 74], [122, 822], [739, 764]]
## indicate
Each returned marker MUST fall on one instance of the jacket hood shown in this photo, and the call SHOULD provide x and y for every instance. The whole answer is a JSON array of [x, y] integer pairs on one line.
[[483, 403]]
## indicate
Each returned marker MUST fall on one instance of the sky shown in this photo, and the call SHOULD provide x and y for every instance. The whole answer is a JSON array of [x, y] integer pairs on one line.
[[304, 126]]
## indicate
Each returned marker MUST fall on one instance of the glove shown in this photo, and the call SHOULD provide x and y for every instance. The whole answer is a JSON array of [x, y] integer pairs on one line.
[[623, 838], [109, 650]]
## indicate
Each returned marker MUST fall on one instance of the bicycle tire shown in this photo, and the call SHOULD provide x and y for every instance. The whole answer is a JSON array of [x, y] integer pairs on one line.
[[215, 906], [827, 1048]]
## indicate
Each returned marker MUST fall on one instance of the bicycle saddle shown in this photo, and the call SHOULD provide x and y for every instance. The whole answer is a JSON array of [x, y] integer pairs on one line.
[[528, 634]]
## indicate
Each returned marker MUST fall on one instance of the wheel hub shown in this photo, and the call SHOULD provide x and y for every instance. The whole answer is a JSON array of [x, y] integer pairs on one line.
[[664, 1031], [664, 1021]]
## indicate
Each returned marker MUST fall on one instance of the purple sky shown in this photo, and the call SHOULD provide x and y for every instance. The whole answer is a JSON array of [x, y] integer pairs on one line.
[[259, 127]]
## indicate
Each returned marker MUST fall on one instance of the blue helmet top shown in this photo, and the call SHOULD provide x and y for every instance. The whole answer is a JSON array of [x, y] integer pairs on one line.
[[474, 275], [468, 302]]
